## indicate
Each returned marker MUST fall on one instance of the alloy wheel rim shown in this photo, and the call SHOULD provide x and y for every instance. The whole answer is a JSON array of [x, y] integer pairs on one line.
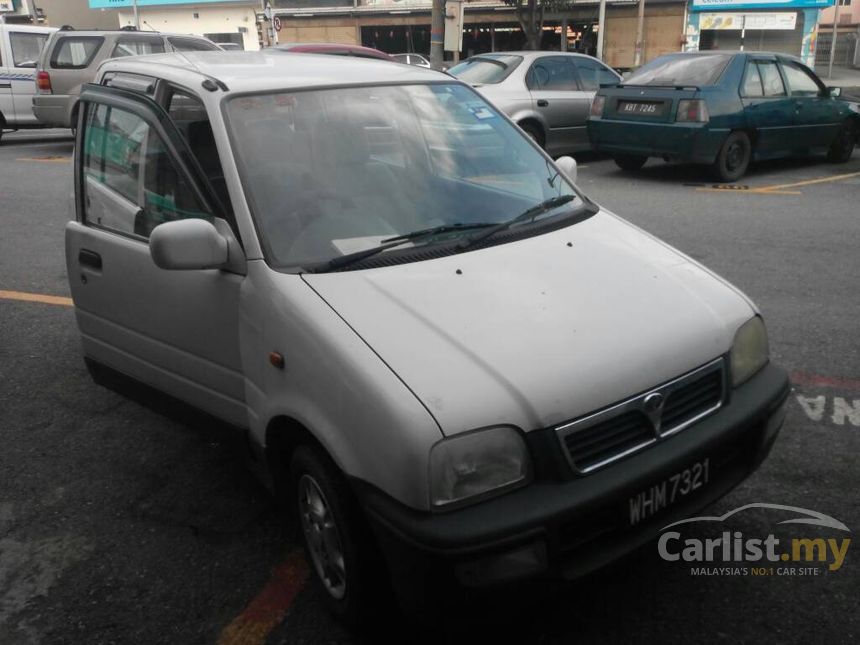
[[322, 537]]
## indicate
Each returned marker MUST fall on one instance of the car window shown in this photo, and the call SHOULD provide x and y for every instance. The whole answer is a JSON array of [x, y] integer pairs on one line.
[[592, 74], [333, 171], [189, 115], [137, 47], [552, 73], [799, 81], [75, 52], [125, 155], [770, 79], [681, 70], [487, 69], [191, 44], [752, 81], [26, 48]]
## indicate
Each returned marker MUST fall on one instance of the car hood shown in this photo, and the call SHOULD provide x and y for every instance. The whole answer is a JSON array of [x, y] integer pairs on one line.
[[540, 331]]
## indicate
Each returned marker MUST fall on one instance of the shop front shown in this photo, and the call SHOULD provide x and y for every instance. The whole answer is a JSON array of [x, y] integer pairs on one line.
[[785, 26]]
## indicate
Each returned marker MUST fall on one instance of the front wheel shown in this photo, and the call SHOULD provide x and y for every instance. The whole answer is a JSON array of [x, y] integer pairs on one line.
[[337, 540], [843, 145], [734, 157], [630, 163]]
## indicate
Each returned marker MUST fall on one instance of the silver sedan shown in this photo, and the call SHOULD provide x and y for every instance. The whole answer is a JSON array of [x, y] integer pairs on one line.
[[548, 94]]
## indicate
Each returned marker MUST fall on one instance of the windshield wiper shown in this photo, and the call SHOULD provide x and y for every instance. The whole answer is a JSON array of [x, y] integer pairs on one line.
[[436, 230], [391, 242], [531, 213]]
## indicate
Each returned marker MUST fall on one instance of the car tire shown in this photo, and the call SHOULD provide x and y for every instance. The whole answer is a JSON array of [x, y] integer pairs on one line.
[[843, 145], [733, 159], [630, 163], [337, 540], [534, 132]]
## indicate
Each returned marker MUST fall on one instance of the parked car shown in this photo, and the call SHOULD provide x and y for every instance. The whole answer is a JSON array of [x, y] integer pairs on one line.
[[412, 59], [70, 59], [459, 370], [722, 109], [548, 94], [20, 47], [336, 49]]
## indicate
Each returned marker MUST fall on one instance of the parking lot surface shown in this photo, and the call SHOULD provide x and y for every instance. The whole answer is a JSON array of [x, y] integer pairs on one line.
[[120, 524]]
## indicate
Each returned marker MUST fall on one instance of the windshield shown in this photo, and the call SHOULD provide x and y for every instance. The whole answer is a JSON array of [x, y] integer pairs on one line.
[[675, 71], [486, 70], [332, 172]]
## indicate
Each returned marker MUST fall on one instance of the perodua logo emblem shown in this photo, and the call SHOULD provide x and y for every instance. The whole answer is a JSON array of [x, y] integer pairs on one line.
[[653, 403]]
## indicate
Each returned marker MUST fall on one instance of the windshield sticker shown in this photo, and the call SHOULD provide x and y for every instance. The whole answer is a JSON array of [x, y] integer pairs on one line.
[[482, 112]]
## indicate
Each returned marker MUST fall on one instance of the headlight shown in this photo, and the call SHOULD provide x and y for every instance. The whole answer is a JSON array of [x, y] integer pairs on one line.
[[473, 464], [749, 351]]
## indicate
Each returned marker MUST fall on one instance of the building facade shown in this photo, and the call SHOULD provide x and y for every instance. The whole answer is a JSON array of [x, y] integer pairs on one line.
[[398, 26], [787, 26], [222, 21]]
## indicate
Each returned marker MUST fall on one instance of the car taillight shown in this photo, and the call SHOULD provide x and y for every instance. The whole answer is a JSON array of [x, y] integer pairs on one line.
[[692, 111], [597, 106], [43, 82]]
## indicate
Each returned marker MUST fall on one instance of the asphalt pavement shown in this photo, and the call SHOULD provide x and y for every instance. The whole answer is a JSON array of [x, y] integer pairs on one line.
[[119, 524]]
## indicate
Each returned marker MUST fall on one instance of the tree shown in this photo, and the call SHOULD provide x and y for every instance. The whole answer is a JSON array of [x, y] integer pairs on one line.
[[531, 13]]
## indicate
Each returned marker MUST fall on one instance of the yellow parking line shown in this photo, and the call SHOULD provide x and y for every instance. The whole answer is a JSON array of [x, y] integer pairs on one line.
[[35, 297], [757, 191], [809, 182], [46, 159], [779, 189]]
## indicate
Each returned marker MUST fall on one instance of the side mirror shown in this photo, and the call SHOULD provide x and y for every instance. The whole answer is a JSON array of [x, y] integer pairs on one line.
[[567, 166], [835, 92], [188, 244]]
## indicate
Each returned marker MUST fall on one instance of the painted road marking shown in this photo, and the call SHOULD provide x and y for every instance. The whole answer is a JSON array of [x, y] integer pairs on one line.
[[779, 189], [842, 409], [48, 159], [267, 610], [35, 297]]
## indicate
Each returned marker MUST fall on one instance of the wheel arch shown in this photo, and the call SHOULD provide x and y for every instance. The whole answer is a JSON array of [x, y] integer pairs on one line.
[[284, 434]]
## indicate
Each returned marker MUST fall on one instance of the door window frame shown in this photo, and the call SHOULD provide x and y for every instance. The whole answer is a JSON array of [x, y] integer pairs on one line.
[[160, 124], [803, 69], [533, 86]]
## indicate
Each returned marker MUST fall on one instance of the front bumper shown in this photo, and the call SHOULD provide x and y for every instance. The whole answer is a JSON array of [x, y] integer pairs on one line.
[[690, 142], [54, 110], [569, 526]]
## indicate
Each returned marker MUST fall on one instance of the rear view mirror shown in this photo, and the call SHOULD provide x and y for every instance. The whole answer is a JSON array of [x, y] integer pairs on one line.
[[835, 92], [567, 166], [188, 244]]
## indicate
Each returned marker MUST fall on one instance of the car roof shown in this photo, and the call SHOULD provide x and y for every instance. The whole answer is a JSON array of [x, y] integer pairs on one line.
[[122, 32], [733, 52], [333, 48], [33, 29], [531, 54], [269, 70]]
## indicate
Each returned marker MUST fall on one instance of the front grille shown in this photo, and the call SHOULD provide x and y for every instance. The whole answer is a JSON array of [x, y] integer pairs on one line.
[[625, 428], [608, 439], [690, 401]]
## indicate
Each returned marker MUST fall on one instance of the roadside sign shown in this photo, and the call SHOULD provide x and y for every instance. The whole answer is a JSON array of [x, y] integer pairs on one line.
[[276, 21]]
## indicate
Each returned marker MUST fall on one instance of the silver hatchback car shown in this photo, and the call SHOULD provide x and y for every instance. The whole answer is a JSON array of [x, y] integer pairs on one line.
[[459, 370], [548, 94]]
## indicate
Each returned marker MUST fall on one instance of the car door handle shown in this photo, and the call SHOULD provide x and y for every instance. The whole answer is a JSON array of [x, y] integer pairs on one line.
[[543, 103], [90, 259]]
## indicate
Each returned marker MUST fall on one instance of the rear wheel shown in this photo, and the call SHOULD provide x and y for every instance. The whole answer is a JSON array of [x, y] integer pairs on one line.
[[630, 162], [843, 145], [533, 131], [337, 540], [734, 157]]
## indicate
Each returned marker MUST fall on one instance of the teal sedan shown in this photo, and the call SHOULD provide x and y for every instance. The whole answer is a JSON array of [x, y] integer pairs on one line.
[[722, 109]]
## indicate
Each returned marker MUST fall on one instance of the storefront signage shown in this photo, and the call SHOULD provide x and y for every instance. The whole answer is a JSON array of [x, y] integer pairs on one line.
[[123, 4], [764, 21], [711, 5]]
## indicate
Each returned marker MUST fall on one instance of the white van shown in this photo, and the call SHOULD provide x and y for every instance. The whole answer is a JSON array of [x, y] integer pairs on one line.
[[20, 47]]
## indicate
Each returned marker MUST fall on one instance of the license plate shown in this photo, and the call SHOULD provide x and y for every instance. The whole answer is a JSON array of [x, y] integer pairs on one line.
[[639, 107], [652, 500]]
